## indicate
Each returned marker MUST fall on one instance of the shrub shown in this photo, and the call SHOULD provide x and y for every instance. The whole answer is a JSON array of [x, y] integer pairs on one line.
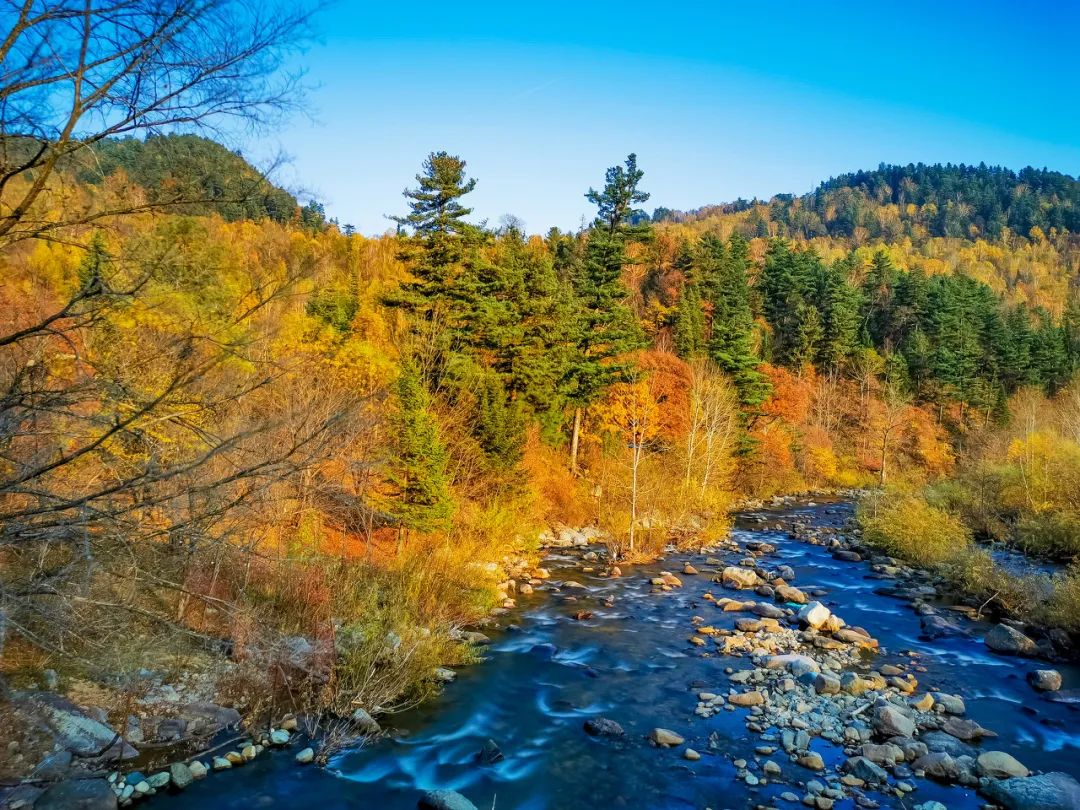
[[1062, 609], [906, 526], [1050, 534]]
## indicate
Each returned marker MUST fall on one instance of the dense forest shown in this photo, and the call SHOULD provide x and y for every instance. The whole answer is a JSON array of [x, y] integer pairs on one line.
[[917, 201]]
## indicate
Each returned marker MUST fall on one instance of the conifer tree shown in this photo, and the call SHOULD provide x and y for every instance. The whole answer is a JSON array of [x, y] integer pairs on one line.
[[606, 329], [731, 343], [439, 241], [418, 468], [689, 324]]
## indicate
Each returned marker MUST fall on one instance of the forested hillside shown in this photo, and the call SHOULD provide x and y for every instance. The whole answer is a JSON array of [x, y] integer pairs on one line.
[[279, 430]]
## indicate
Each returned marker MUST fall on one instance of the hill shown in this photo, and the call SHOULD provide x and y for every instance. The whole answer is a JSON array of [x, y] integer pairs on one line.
[[917, 201]]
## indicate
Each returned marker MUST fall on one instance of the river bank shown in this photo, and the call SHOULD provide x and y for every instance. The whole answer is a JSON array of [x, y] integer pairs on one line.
[[585, 646], [771, 709]]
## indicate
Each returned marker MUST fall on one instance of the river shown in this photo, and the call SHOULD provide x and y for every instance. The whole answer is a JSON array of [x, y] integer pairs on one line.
[[547, 672]]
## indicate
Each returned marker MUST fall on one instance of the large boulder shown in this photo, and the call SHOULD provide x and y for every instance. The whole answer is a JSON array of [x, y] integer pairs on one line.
[[865, 769], [1045, 680], [740, 578], [890, 721], [938, 765], [78, 794], [814, 615], [1048, 791], [999, 765], [1009, 641], [74, 729], [208, 718]]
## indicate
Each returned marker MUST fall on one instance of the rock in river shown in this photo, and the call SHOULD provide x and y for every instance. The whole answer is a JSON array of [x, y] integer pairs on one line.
[[1045, 680], [814, 615], [603, 727], [736, 577], [665, 737], [444, 800], [999, 765], [1009, 641], [889, 721], [1048, 791]]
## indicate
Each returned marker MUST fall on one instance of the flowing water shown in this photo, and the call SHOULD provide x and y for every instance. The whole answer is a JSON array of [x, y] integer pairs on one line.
[[546, 673]]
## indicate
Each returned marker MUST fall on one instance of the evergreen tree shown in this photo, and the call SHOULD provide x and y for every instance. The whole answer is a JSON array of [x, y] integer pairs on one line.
[[418, 468], [689, 324], [731, 343], [840, 302], [809, 335], [606, 329], [440, 238], [500, 423]]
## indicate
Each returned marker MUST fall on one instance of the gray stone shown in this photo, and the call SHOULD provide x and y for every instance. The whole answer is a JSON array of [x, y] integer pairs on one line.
[[1045, 680], [208, 718], [938, 765], [1009, 641], [364, 722], [279, 736], [305, 756], [159, 780], [863, 768], [889, 721], [73, 728], [490, 753], [181, 775], [53, 767], [78, 794], [999, 765], [444, 800], [603, 727], [198, 769], [1048, 791], [946, 743]]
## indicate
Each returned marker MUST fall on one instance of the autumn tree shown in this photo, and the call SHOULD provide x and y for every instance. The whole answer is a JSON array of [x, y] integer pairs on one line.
[[630, 413]]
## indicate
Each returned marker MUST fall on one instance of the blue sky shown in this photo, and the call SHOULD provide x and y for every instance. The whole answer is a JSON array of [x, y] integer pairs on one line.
[[719, 100]]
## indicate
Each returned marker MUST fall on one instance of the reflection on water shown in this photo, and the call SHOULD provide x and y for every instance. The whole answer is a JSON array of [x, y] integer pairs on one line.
[[632, 663]]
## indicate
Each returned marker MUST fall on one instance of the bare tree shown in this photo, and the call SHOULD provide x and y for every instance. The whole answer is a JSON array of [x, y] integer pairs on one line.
[[713, 425], [75, 72]]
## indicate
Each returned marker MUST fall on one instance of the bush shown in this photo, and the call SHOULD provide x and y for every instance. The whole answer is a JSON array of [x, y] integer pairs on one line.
[[1062, 609], [906, 526], [1050, 534]]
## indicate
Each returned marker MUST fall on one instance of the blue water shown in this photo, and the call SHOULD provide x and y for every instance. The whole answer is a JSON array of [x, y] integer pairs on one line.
[[631, 662]]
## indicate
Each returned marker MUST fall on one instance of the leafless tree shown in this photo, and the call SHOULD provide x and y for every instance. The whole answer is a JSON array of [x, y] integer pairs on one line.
[[75, 72]]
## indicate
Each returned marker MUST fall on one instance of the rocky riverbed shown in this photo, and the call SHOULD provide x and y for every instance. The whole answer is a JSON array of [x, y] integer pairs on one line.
[[784, 667]]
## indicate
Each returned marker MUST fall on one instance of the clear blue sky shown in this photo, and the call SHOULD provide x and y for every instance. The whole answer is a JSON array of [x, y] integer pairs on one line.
[[720, 100]]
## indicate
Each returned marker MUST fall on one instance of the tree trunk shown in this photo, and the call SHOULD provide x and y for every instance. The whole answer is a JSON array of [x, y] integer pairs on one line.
[[575, 440], [884, 454], [633, 494]]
